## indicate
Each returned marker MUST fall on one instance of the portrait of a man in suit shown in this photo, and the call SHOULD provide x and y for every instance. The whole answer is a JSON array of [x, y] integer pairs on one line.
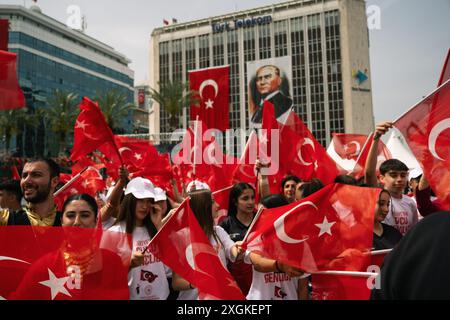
[[268, 85]]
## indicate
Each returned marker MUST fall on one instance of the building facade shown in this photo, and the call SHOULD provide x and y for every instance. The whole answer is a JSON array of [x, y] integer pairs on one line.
[[52, 56], [327, 41]]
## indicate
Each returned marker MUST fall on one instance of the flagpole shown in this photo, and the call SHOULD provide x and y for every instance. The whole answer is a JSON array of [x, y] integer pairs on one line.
[[380, 252], [361, 152], [195, 142], [221, 190], [260, 210], [64, 187], [347, 273]]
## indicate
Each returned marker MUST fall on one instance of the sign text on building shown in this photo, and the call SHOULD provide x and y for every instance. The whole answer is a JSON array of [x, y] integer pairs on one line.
[[240, 23]]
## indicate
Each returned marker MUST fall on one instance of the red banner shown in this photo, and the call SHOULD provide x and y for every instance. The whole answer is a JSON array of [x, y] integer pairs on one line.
[[213, 90], [11, 96]]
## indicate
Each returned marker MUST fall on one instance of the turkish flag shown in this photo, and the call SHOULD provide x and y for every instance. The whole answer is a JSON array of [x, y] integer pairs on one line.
[[91, 131], [426, 129], [330, 230], [245, 169], [85, 162], [383, 154], [11, 96], [89, 182], [307, 157], [183, 246], [212, 85], [4, 33], [445, 74], [61, 263], [348, 146]]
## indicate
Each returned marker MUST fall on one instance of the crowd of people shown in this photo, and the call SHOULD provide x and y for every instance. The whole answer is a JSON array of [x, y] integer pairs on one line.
[[136, 207]]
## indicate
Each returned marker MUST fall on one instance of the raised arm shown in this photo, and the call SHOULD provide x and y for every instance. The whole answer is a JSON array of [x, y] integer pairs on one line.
[[110, 209], [371, 162]]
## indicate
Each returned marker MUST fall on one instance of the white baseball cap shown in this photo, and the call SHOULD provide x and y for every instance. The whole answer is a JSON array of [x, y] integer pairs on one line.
[[197, 185], [415, 173], [141, 188], [160, 194]]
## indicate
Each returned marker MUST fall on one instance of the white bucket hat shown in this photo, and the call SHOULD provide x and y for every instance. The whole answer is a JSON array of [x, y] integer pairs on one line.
[[160, 194], [141, 188]]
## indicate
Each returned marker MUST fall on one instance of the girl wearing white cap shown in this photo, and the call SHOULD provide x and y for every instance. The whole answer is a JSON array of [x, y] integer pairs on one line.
[[140, 217]]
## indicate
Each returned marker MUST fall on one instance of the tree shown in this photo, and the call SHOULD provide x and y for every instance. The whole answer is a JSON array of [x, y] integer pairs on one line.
[[61, 113], [114, 106], [173, 96], [12, 123]]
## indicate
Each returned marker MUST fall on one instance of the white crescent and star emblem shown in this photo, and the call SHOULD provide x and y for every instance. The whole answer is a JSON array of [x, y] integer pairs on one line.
[[201, 248], [299, 153], [3, 258], [325, 227], [124, 149], [358, 148], [82, 125], [55, 284], [280, 229], [434, 135], [209, 82]]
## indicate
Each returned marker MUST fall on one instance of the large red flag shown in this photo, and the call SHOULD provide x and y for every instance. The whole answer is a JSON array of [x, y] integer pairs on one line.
[[60, 263], [308, 158], [329, 230], [4, 26], [91, 131], [89, 181], [212, 85], [183, 246], [383, 154], [426, 129], [11, 96]]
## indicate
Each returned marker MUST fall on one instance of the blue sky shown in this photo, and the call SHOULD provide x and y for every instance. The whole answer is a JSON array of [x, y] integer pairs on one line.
[[406, 54]]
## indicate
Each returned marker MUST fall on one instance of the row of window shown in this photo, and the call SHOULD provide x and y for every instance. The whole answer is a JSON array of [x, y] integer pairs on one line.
[[300, 27], [42, 46]]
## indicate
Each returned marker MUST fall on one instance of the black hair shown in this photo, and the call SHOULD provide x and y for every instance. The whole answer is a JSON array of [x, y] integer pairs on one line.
[[13, 187], [308, 188], [52, 165], [392, 164], [85, 197], [346, 179], [235, 192], [274, 201], [127, 214], [289, 178]]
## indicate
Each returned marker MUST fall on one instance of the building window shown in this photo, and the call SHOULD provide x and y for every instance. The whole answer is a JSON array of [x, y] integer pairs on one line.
[[336, 104], [204, 51], [264, 42], [218, 49], [316, 78]]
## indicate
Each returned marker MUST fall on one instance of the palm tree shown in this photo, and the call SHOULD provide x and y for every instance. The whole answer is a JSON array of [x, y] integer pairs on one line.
[[114, 106], [173, 96], [61, 113], [12, 123]]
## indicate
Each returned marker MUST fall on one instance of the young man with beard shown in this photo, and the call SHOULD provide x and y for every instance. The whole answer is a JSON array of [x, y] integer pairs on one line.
[[40, 177]]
